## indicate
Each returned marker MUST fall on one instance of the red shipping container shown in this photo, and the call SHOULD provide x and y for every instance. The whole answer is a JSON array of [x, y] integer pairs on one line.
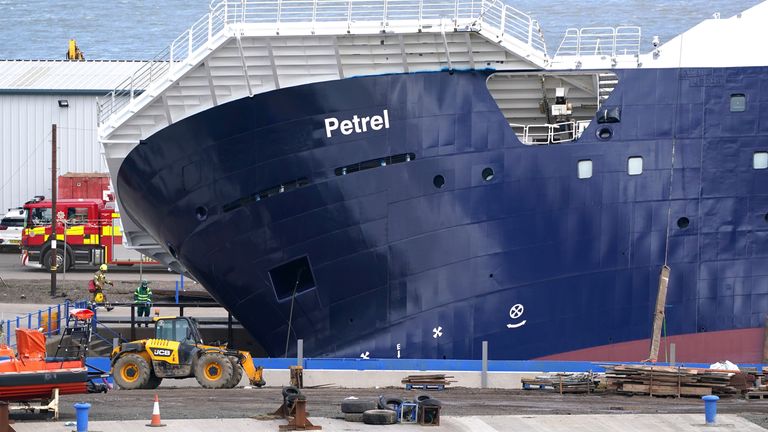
[[83, 185]]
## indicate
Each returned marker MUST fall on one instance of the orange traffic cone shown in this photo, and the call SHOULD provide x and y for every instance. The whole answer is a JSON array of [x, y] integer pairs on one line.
[[155, 422]]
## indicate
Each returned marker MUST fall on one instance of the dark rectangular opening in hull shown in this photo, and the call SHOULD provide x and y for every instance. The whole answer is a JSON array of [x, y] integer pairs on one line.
[[292, 278]]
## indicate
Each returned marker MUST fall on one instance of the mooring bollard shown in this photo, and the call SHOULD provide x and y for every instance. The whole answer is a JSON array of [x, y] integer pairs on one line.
[[81, 413], [710, 408]]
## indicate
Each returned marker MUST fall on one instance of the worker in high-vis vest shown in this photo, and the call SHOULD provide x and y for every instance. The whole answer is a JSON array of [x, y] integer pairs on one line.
[[96, 287], [142, 298]]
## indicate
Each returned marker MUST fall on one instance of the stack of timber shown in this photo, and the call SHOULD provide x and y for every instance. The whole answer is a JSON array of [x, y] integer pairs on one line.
[[435, 382], [585, 382], [667, 380]]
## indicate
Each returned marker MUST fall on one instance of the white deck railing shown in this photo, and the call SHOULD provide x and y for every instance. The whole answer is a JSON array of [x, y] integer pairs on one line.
[[607, 41], [550, 133], [502, 20]]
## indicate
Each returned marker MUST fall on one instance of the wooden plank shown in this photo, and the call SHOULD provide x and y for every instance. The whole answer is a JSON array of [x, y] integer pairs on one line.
[[666, 390]]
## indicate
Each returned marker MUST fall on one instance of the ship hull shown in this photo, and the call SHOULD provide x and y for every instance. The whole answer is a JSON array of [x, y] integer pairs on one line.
[[429, 227]]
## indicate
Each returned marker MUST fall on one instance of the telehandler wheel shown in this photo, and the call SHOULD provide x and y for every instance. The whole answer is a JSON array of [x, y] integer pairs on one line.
[[153, 382], [237, 373], [131, 372], [213, 370]]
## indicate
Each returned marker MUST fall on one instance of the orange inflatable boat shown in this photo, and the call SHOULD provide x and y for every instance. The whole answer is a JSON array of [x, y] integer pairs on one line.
[[28, 374]]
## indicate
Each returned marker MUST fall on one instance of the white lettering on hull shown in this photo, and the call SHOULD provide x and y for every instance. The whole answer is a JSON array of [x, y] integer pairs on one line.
[[357, 124]]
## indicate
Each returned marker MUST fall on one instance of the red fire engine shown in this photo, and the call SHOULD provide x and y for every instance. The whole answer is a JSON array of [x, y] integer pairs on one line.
[[88, 231]]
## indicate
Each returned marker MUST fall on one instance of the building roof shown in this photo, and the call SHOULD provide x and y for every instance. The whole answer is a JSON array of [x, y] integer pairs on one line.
[[63, 76]]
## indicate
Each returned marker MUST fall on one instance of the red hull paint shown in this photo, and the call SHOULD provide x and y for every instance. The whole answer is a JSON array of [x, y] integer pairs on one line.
[[738, 346], [42, 391]]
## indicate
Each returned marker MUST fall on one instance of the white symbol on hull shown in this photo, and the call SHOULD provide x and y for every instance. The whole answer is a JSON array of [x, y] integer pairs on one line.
[[398, 350], [437, 332], [365, 355], [516, 312]]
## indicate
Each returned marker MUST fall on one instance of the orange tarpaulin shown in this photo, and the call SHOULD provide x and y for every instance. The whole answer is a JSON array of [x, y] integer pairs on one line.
[[30, 344]]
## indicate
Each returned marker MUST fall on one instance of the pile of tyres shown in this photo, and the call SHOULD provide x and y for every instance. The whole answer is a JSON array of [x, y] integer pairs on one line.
[[385, 410]]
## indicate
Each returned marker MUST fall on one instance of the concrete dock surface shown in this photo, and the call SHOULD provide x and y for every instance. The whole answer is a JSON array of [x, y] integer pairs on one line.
[[509, 423]]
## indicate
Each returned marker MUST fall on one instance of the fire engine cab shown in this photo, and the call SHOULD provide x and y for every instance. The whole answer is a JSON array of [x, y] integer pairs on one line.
[[88, 231]]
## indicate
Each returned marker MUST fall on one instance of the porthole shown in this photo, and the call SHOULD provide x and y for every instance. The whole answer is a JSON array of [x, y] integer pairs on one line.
[[635, 165], [487, 174], [683, 222], [760, 160], [604, 133], [438, 181], [201, 213], [584, 169], [738, 102]]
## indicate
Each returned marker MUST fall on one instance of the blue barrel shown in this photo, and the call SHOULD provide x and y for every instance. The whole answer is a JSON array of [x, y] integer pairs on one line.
[[710, 408], [81, 412]]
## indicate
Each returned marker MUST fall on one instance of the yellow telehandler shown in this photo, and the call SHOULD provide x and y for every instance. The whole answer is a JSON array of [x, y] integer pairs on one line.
[[177, 351]]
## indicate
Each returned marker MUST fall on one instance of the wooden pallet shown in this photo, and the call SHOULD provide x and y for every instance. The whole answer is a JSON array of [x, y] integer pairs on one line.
[[667, 381], [757, 394], [425, 386]]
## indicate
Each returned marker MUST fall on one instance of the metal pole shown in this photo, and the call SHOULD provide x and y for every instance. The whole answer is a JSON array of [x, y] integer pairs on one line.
[[484, 373], [54, 220], [133, 322], [672, 352], [230, 335], [300, 352], [64, 270]]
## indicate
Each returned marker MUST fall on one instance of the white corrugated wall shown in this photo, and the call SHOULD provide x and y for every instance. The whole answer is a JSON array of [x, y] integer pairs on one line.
[[25, 143]]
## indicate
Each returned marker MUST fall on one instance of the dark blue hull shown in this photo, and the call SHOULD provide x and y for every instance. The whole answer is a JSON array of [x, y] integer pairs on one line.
[[399, 241]]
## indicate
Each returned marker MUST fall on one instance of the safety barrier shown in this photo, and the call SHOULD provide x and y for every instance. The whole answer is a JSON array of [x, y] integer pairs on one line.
[[602, 41], [550, 133], [50, 320]]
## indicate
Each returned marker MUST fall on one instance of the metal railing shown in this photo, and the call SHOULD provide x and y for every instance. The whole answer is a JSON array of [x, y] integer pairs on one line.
[[550, 133], [501, 20], [50, 320], [608, 41]]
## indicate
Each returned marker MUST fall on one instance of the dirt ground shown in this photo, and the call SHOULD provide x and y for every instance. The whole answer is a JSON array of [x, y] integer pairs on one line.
[[178, 403], [38, 291]]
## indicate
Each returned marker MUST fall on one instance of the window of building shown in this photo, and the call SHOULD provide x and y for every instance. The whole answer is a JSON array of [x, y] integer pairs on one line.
[[738, 102], [585, 169], [760, 160], [635, 165]]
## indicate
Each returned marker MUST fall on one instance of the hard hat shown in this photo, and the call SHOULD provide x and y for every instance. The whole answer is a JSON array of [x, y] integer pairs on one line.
[[103, 267], [144, 282]]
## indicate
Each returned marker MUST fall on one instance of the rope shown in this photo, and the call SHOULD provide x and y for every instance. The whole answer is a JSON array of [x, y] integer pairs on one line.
[[290, 315], [669, 201]]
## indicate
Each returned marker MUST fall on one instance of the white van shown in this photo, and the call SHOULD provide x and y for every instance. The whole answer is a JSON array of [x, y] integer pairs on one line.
[[10, 228]]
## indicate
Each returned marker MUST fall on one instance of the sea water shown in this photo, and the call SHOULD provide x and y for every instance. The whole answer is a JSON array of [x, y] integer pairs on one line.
[[140, 29]]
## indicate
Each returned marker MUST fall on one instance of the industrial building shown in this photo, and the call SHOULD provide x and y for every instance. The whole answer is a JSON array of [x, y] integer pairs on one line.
[[34, 94]]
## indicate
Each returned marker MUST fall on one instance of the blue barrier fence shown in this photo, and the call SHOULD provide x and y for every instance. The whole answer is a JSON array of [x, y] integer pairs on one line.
[[434, 365], [50, 319]]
